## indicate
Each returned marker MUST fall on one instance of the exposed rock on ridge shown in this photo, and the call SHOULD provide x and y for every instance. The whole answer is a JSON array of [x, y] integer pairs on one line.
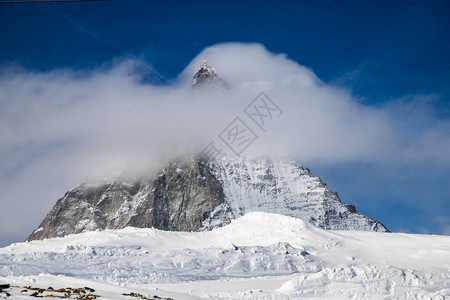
[[207, 76], [193, 194], [179, 198]]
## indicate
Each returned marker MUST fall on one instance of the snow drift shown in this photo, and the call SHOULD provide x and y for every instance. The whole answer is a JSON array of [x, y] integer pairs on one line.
[[258, 256]]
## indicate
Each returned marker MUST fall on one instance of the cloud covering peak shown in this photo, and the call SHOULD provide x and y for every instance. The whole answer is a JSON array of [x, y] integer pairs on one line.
[[59, 127]]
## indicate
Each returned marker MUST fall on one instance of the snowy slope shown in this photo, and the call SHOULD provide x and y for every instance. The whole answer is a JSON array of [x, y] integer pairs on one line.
[[258, 256], [283, 187]]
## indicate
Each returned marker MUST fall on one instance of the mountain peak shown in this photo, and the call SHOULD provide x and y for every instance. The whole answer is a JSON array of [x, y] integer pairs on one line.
[[207, 76]]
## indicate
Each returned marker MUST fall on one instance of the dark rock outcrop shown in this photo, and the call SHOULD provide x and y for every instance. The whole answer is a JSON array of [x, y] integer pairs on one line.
[[179, 198], [193, 194]]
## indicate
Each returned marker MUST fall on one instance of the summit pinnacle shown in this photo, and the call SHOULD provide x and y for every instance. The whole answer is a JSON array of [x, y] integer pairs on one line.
[[207, 76]]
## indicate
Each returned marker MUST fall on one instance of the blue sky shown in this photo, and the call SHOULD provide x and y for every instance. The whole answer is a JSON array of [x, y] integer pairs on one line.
[[381, 51]]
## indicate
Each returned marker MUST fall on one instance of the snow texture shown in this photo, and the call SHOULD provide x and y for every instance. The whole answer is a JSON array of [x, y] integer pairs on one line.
[[257, 256], [282, 187]]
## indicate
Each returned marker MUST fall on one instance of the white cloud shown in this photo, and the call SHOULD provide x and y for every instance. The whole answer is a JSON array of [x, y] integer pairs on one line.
[[59, 127], [444, 223]]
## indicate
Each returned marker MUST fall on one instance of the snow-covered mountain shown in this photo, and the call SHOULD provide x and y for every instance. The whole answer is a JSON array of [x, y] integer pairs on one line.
[[195, 194], [224, 228], [257, 256], [281, 186]]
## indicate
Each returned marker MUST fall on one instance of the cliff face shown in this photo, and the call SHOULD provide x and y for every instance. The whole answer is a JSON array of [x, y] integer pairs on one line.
[[179, 198], [193, 194], [282, 187]]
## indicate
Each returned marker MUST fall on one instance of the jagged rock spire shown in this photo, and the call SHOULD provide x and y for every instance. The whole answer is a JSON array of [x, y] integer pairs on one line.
[[207, 75]]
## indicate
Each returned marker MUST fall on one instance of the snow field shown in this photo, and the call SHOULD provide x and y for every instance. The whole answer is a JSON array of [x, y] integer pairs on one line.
[[257, 256]]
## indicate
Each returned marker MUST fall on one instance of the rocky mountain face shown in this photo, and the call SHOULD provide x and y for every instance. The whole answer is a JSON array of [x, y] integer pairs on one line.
[[179, 198], [206, 76], [282, 187], [195, 194]]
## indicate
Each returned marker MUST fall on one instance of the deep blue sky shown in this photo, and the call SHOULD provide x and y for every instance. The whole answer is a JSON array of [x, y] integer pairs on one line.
[[382, 50], [399, 47]]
